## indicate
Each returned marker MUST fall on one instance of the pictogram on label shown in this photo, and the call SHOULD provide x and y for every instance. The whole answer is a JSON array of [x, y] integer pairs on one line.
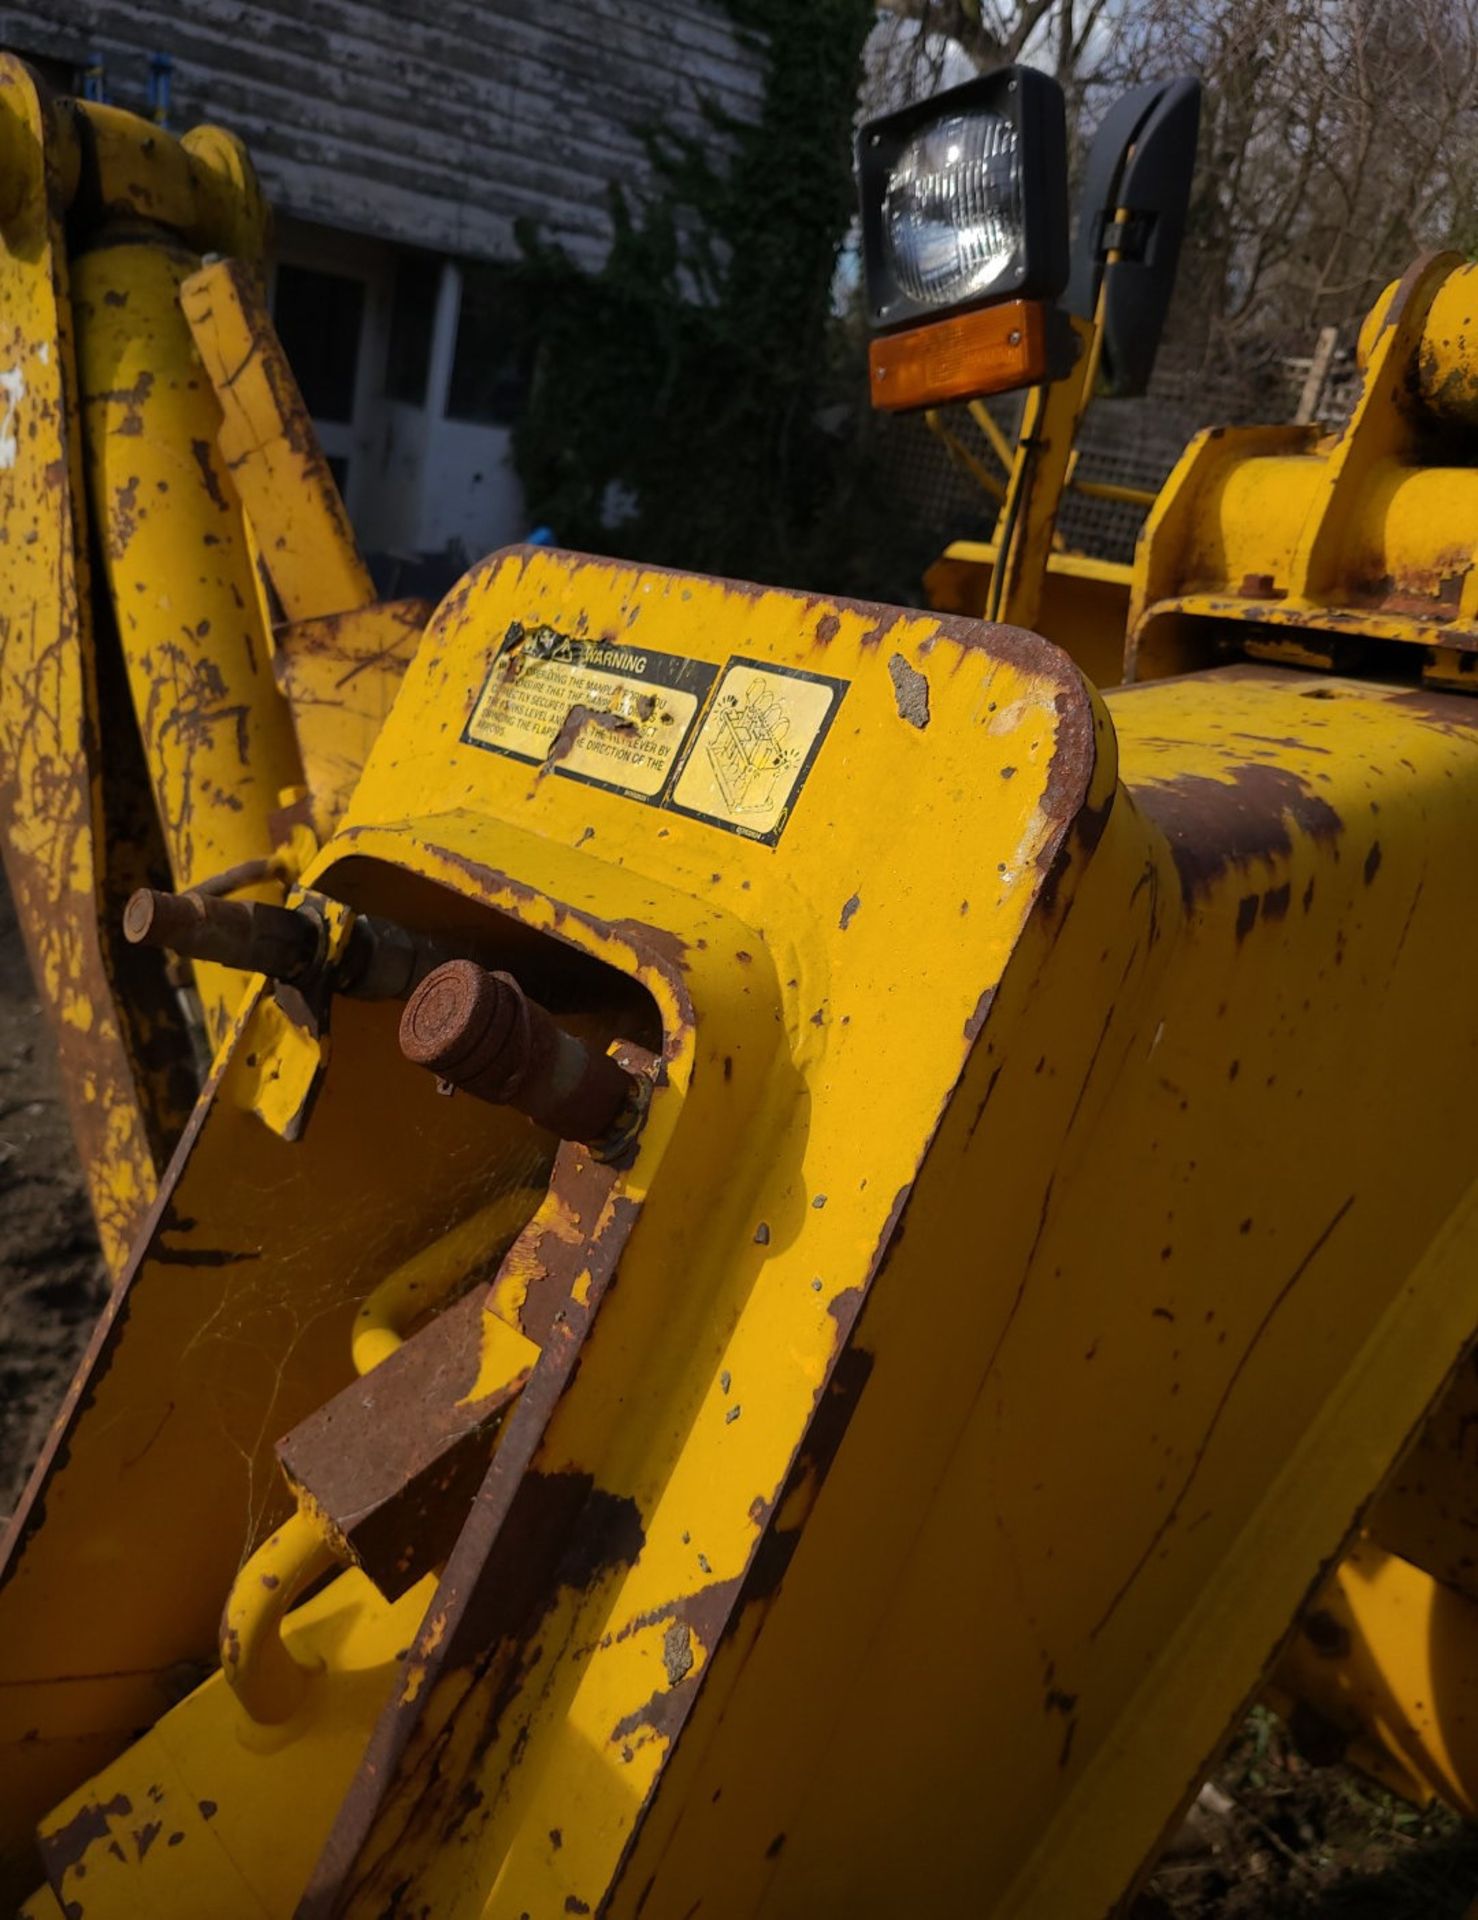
[[754, 748]]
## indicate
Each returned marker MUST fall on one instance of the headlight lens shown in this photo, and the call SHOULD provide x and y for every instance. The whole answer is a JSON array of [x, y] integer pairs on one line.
[[952, 212]]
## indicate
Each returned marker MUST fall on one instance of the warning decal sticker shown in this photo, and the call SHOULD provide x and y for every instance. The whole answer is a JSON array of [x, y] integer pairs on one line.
[[613, 715], [758, 739]]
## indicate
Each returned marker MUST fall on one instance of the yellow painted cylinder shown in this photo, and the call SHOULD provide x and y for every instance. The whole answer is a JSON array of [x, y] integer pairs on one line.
[[217, 733], [1447, 361], [1247, 523], [1415, 527]]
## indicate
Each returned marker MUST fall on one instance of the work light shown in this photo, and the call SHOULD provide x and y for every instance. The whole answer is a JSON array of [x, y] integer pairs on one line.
[[952, 209], [964, 199]]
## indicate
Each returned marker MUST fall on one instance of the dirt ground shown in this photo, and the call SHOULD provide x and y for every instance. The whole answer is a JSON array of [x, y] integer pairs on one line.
[[1271, 1837], [51, 1277]]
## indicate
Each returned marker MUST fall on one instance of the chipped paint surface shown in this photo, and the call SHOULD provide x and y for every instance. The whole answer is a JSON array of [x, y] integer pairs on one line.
[[216, 731], [62, 828], [1145, 948], [605, 1524], [339, 675], [1319, 551], [681, 1593], [12, 391], [270, 449], [911, 690]]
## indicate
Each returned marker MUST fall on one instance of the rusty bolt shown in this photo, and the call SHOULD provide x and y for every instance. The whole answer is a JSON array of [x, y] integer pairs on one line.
[[479, 1031]]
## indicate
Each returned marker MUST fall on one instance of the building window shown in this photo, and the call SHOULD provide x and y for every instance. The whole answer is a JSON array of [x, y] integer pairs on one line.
[[412, 325], [318, 318], [490, 367]]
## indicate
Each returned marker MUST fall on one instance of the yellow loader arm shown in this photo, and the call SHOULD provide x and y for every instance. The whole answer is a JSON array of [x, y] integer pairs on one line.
[[903, 1455]]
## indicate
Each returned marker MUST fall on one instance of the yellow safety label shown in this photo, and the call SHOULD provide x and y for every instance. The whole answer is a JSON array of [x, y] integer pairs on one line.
[[755, 746], [614, 715], [644, 724]]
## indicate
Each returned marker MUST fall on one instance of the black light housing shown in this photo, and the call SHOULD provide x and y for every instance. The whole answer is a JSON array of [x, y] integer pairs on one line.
[[1001, 143]]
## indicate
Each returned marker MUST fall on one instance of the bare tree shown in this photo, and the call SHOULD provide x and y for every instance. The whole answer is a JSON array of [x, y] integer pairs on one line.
[[1339, 137], [921, 42]]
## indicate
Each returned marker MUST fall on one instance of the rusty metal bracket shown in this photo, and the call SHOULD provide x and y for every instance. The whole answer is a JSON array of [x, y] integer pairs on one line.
[[392, 1463]]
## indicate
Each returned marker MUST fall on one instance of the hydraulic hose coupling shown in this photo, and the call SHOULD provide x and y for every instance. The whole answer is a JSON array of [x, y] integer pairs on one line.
[[478, 1031], [249, 934]]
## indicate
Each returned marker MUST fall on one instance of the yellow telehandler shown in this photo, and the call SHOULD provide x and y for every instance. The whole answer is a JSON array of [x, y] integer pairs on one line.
[[811, 1247]]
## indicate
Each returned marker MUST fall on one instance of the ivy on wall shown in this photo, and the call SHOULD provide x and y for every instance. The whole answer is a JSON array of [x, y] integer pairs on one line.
[[696, 402]]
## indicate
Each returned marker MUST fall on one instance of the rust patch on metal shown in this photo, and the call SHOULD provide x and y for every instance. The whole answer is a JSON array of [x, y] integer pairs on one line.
[[123, 514], [1246, 916], [658, 947], [530, 1534], [552, 1253], [579, 717], [1219, 826], [64, 1849], [836, 1403], [204, 456], [707, 1615], [1074, 754], [393, 1461], [910, 692], [1451, 712], [1087, 830]]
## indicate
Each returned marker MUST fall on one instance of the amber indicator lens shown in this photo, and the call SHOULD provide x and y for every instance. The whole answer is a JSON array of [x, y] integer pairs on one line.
[[993, 350]]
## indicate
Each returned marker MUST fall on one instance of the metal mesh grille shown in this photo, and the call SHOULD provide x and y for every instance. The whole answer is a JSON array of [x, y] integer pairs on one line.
[[1123, 442]]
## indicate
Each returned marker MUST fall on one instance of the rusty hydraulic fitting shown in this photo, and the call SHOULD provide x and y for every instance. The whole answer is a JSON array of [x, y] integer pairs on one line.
[[380, 961], [251, 934], [479, 1031], [384, 961]]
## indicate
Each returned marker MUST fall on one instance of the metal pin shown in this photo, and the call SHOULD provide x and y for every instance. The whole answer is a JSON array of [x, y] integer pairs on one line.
[[479, 1031]]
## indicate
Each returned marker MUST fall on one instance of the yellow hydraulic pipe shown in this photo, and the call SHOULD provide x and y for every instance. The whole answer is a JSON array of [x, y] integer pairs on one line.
[[217, 734], [957, 450], [1109, 490], [1000, 446]]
